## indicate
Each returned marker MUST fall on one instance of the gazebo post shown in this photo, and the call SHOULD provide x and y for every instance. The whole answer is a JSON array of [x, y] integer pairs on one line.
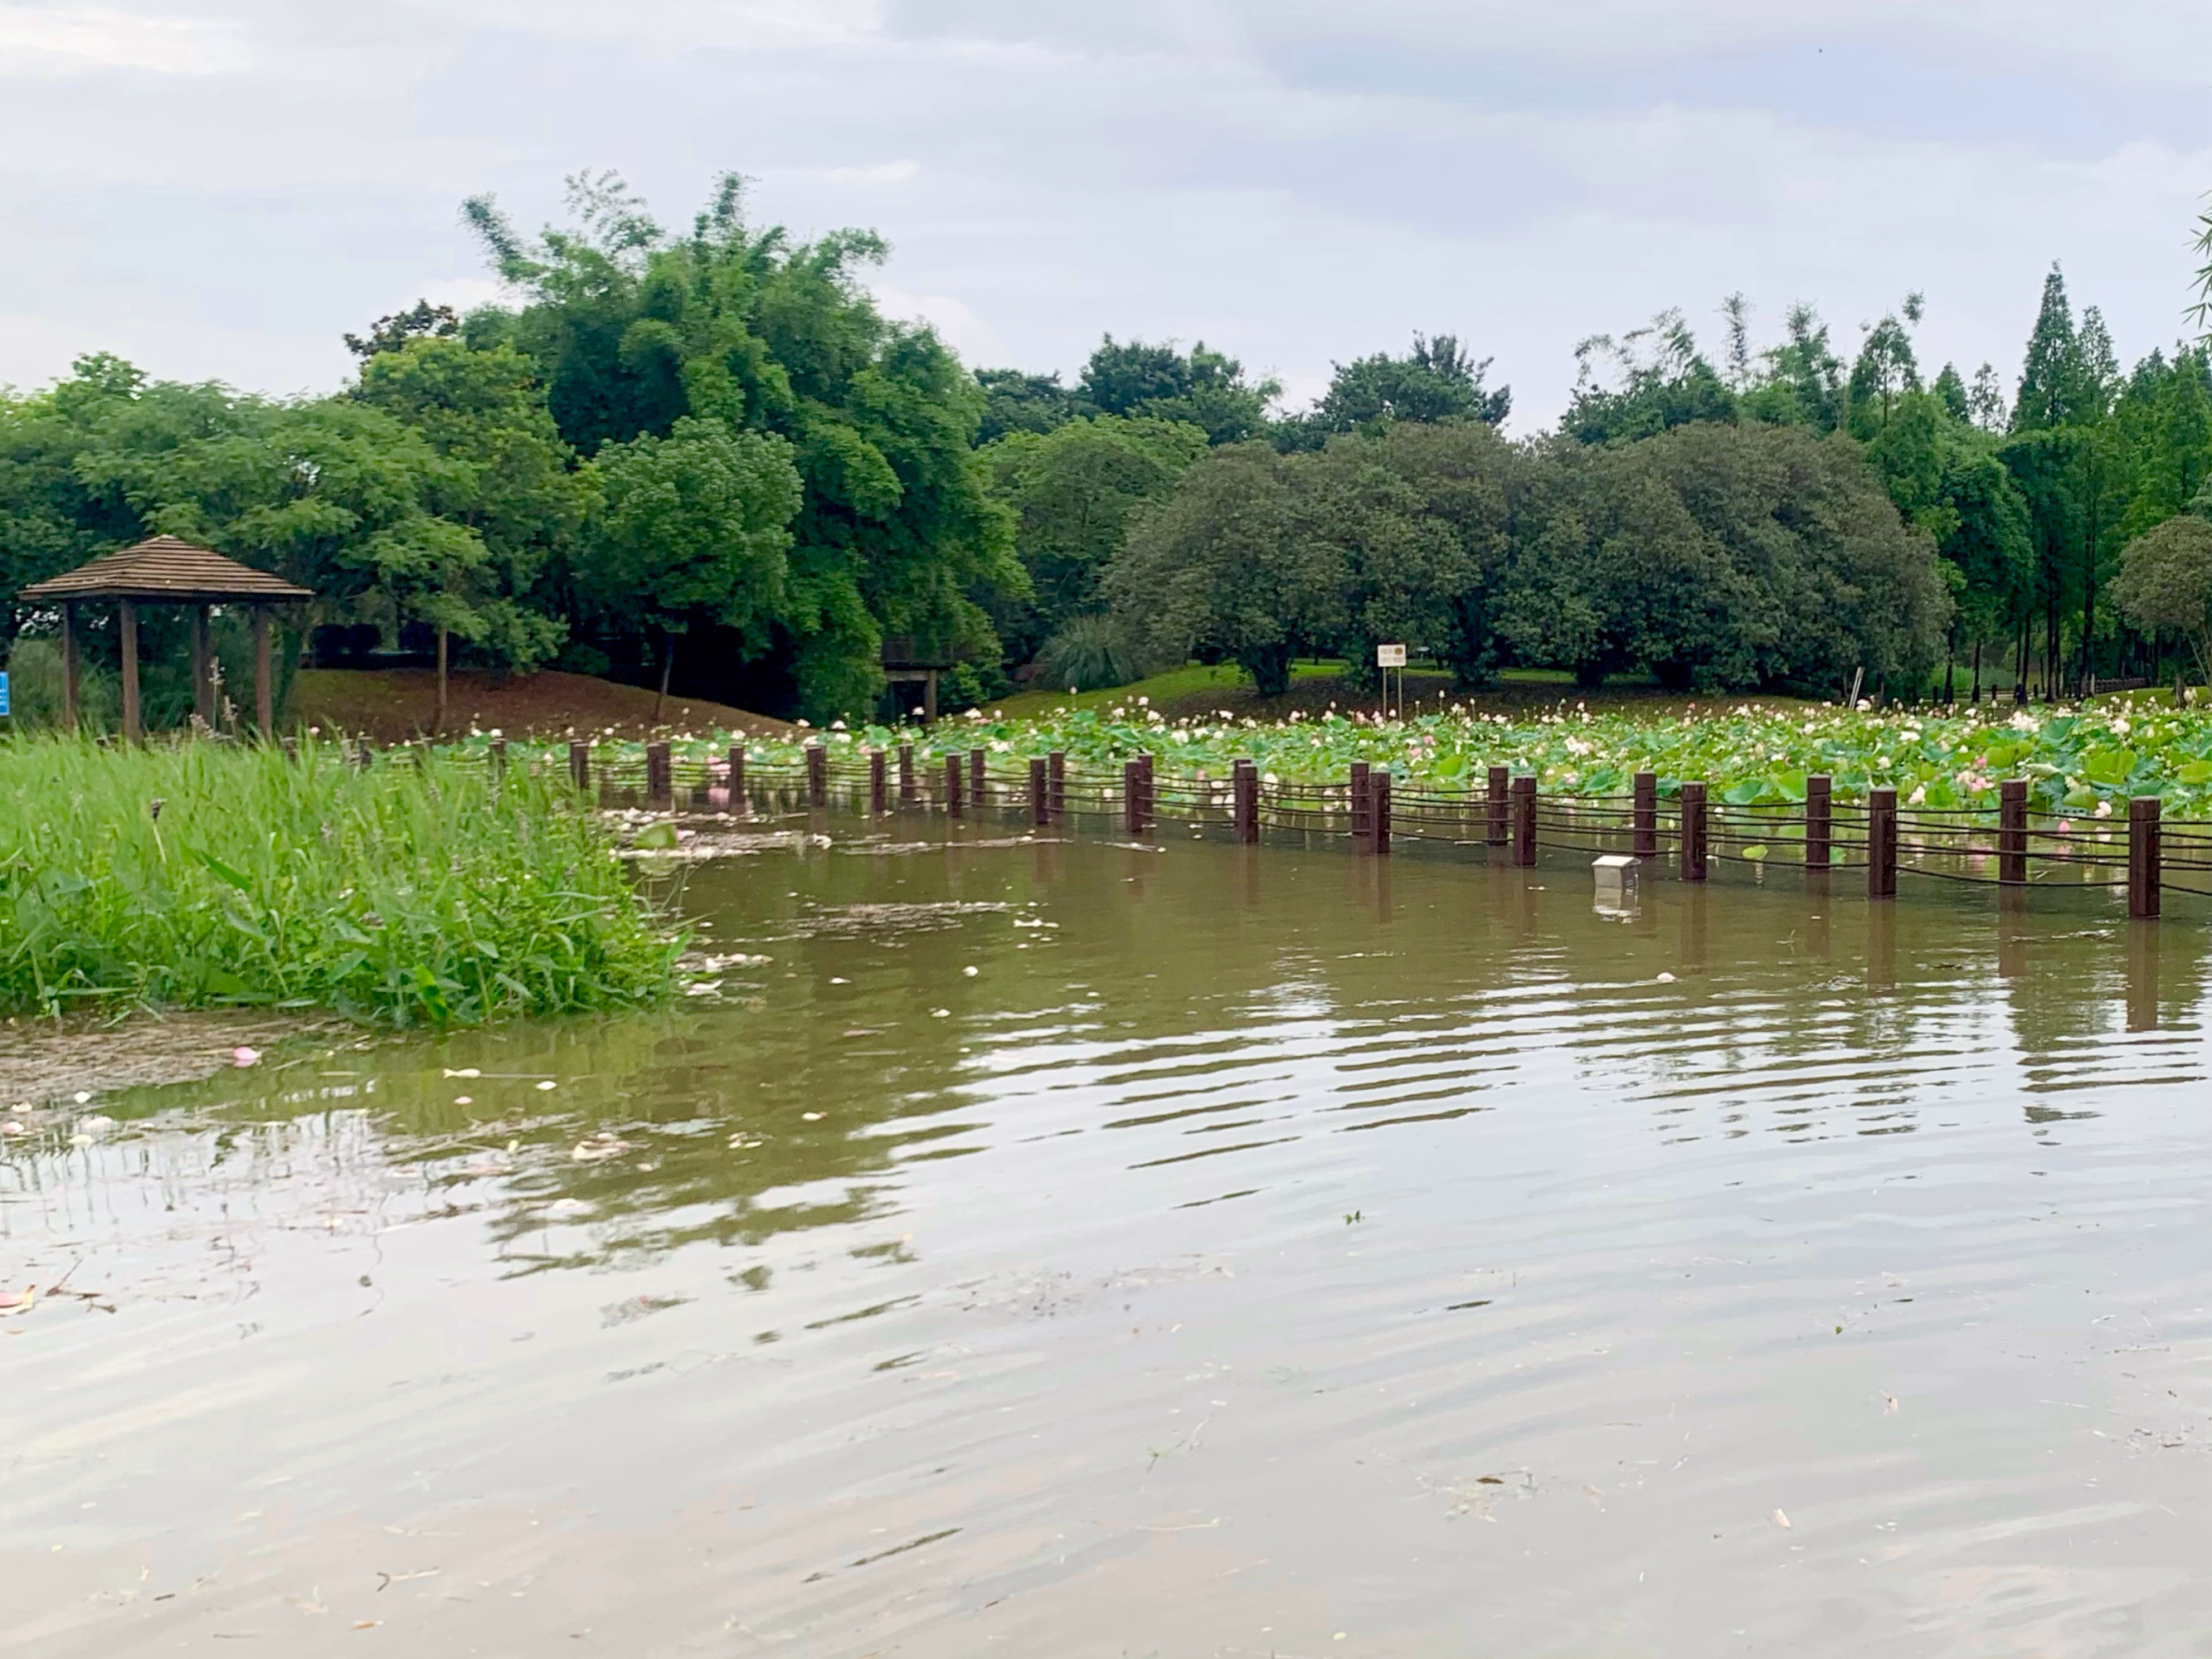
[[134, 730], [71, 673], [202, 681], [265, 704]]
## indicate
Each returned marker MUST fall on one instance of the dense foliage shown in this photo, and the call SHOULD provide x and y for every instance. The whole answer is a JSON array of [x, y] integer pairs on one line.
[[203, 876]]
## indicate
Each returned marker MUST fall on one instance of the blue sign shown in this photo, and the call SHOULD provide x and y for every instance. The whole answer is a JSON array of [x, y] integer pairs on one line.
[[3, 696]]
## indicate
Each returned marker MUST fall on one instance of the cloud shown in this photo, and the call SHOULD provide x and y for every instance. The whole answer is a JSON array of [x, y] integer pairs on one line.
[[38, 40]]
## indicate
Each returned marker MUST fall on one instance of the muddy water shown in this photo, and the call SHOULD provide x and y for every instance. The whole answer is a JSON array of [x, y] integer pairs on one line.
[[1075, 1249]]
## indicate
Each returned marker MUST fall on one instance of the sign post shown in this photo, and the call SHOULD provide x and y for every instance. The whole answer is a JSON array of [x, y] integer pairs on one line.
[[5, 711], [1388, 656]]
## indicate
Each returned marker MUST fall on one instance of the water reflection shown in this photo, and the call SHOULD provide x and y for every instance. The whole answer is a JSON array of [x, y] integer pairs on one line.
[[1079, 1247]]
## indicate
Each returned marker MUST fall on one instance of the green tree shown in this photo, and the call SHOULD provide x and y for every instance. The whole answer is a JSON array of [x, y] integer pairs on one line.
[[1436, 381], [2165, 585], [1650, 380], [696, 532], [2053, 390], [1016, 402], [1202, 388]]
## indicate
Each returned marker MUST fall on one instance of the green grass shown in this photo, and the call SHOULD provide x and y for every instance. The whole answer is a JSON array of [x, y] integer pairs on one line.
[[406, 893]]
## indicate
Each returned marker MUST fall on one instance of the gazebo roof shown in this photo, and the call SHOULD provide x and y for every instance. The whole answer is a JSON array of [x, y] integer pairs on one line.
[[164, 570]]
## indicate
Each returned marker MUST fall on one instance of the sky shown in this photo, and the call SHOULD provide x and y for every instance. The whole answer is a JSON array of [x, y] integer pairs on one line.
[[219, 189]]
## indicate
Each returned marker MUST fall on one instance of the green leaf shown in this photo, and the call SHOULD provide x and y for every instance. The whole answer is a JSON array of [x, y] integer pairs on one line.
[[656, 838]]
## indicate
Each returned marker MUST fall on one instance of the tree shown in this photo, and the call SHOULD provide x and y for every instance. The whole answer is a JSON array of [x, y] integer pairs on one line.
[[1204, 388], [1220, 568], [2052, 390], [1885, 371], [1436, 380], [1800, 382], [422, 321], [1016, 402], [696, 531], [1073, 488], [634, 329], [2164, 585], [1659, 380]]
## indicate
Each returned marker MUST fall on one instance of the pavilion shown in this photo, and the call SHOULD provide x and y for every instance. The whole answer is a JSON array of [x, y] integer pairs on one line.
[[163, 571]]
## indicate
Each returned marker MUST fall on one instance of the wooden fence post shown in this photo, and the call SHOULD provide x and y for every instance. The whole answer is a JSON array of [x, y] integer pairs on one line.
[[2143, 859], [1882, 843], [498, 758], [659, 789], [1132, 797], [1040, 791], [906, 775], [979, 790], [1055, 774], [1244, 795], [1500, 781], [1363, 807], [2012, 831], [878, 791], [1819, 821], [817, 776], [1524, 820], [1694, 832], [1378, 810], [737, 779], [952, 803], [579, 767], [1646, 815], [1152, 798]]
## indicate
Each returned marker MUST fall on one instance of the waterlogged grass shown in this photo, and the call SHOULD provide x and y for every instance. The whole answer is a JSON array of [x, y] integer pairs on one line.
[[406, 893], [2076, 759]]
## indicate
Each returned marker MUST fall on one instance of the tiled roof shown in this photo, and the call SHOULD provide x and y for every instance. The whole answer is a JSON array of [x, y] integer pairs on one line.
[[164, 569]]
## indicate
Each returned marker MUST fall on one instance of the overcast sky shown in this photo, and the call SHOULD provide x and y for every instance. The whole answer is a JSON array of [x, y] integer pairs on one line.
[[220, 188]]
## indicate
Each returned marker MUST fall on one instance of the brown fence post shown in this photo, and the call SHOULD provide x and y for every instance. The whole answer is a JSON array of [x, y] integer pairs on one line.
[[1132, 797], [1040, 791], [817, 776], [1144, 778], [1882, 843], [498, 758], [953, 807], [1694, 832], [1245, 796], [1363, 807], [1500, 781], [978, 785], [737, 779], [879, 784], [906, 775], [1056, 772], [2143, 857], [1524, 820], [579, 767], [1646, 815], [1378, 808], [2012, 831], [658, 789], [1819, 821]]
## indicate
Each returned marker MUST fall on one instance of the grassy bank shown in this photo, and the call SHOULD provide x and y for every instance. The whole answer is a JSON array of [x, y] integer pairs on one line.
[[201, 875]]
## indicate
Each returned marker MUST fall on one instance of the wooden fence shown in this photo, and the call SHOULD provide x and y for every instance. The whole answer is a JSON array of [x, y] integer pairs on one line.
[[2006, 843]]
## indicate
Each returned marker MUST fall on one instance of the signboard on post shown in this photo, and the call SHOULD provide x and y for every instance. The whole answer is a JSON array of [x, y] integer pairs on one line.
[[4, 710], [1390, 656]]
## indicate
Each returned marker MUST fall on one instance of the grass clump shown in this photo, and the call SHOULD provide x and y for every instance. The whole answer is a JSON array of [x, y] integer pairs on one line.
[[419, 891]]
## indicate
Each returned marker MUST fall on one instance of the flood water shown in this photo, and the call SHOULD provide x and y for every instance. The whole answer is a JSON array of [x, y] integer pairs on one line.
[[1073, 1249]]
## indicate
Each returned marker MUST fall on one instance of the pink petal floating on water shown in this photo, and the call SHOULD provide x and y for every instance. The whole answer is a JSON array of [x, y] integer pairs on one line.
[[242, 1057]]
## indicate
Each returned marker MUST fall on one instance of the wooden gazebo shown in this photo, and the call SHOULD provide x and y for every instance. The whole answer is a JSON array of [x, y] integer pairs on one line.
[[163, 571]]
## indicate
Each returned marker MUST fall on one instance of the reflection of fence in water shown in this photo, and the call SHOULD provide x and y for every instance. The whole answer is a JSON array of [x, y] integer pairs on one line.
[[2007, 844]]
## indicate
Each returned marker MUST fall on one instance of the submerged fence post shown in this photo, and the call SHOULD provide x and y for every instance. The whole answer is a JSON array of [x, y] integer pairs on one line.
[[1819, 821], [1363, 807], [1500, 780], [817, 776], [1524, 820], [1645, 815], [978, 786], [879, 791], [2143, 857], [659, 790], [1055, 771], [1151, 809], [2012, 831], [1132, 797], [1040, 791], [1378, 808], [579, 767], [1882, 843], [1694, 832], [953, 804], [906, 775], [1244, 798], [737, 783]]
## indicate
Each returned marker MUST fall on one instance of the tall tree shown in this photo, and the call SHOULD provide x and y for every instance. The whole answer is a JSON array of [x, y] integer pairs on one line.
[[1436, 380], [2052, 393], [1203, 388]]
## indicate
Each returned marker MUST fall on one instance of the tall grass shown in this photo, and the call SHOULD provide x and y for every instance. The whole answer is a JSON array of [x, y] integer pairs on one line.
[[407, 894]]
